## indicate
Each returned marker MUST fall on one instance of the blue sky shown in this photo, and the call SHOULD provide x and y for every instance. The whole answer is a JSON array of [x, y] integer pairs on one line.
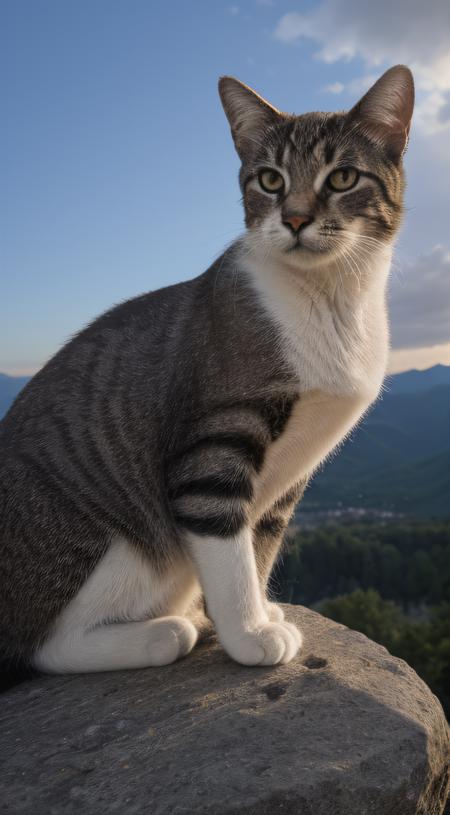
[[118, 166]]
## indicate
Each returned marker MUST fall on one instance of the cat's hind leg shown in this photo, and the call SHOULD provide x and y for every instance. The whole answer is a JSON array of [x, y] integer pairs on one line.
[[117, 646], [126, 615]]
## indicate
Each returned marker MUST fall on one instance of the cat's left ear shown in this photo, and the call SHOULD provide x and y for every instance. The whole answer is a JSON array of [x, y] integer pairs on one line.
[[385, 112], [248, 114]]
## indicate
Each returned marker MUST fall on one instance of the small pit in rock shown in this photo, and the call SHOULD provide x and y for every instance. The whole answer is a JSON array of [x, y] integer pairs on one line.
[[274, 691], [315, 662]]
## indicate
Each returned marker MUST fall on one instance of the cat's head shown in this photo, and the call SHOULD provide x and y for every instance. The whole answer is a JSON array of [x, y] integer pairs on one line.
[[321, 185]]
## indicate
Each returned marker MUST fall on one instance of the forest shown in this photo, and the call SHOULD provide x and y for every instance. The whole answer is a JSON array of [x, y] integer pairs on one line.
[[389, 581]]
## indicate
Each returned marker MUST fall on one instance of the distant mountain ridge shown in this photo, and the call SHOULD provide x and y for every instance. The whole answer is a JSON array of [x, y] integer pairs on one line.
[[414, 380], [398, 460], [10, 386]]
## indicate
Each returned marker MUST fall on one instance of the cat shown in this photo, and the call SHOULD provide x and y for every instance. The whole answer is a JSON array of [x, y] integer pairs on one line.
[[154, 462]]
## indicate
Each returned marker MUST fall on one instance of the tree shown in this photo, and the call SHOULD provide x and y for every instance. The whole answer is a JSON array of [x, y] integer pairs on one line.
[[367, 612]]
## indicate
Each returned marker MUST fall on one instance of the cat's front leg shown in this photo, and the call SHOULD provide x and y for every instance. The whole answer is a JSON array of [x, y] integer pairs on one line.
[[235, 603], [268, 537], [274, 612]]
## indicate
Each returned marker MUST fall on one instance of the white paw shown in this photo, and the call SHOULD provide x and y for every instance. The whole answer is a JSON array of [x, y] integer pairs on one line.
[[274, 612], [170, 638], [270, 644]]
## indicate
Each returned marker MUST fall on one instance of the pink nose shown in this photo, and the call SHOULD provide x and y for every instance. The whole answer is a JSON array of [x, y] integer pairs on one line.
[[294, 222]]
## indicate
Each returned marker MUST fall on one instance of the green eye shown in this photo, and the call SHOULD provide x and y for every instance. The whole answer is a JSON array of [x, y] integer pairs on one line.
[[271, 180], [343, 179]]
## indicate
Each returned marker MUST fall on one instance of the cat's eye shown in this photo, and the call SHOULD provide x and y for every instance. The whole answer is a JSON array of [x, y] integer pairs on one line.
[[343, 179], [271, 181]]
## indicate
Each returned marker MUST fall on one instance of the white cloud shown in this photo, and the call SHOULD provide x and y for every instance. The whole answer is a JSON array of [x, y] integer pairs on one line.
[[420, 301], [420, 358], [356, 87], [383, 34], [335, 87]]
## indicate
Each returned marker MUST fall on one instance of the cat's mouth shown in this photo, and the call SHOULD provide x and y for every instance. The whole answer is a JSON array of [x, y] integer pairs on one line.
[[299, 246], [309, 255], [296, 247]]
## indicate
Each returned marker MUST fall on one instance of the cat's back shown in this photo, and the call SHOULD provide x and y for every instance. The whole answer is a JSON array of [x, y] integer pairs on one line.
[[115, 358], [83, 437]]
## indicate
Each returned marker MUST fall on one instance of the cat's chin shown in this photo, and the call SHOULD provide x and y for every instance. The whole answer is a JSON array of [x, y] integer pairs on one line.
[[297, 258], [304, 257]]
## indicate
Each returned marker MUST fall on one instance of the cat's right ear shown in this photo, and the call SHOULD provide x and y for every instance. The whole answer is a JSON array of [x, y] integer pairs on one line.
[[248, 113]]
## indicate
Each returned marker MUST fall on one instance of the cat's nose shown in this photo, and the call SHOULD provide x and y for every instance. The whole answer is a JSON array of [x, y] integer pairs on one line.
[[294, 222]]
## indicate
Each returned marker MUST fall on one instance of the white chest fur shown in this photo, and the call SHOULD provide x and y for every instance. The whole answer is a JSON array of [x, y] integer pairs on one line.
[[333, 333]]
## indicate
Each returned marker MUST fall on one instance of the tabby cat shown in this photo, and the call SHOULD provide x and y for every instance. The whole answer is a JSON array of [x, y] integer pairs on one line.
[[156, 459]]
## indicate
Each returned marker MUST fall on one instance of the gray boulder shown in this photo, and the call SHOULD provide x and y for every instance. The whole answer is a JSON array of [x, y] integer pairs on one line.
[[345, 729]]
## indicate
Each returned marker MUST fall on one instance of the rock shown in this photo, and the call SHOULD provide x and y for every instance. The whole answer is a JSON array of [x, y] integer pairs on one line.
[[345, 729]]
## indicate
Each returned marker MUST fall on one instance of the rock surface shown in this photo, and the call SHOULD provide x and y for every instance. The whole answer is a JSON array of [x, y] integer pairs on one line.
[[345, 729]]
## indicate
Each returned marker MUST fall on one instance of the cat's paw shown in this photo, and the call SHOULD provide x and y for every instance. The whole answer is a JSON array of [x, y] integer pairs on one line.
[[272, 643], [170, 639], [274, 612]]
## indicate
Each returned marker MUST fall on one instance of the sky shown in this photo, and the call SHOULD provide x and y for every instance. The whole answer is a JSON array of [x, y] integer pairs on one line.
[[117, 167]]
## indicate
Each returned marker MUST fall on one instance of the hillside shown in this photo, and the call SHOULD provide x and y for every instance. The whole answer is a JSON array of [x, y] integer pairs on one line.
[[399, 429], [398, 460], [420, 488]]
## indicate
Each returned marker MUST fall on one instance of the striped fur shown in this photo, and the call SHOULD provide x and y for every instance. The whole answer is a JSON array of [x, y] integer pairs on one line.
[[150, 451]]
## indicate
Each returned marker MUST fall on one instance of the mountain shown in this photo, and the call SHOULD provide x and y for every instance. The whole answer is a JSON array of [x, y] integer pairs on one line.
[[397, 460], [9, 388], [419, 489], [399, 429], [413, 381]]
